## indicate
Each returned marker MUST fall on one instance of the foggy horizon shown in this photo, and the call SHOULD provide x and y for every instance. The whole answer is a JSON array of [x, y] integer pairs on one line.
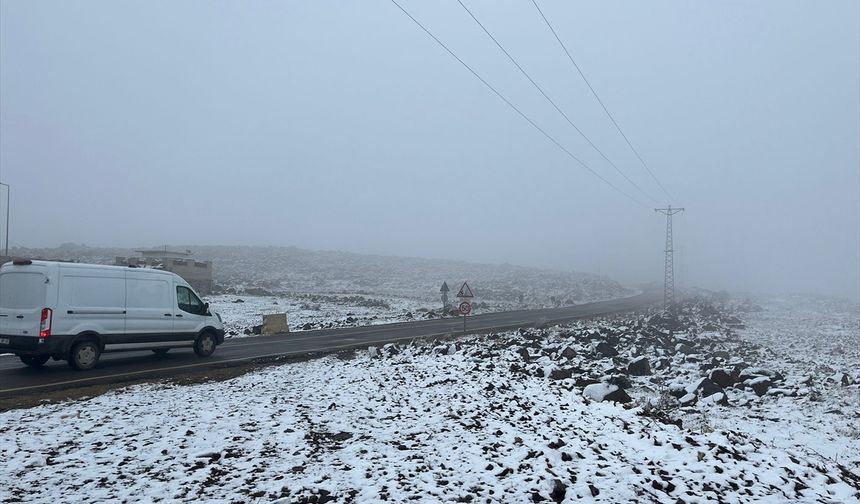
[[343, 126]]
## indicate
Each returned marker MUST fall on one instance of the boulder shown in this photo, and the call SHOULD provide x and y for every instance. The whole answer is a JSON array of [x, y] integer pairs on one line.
[[721, 378], [760, 385], [639, 367], [524, 353], [605, 349], [561, 373], [684, 349], [619, 396], [688, 399], [606, 392], [568, 353], [704, 388], [584, 382], [718, 398], [619, 381], [559, 490]]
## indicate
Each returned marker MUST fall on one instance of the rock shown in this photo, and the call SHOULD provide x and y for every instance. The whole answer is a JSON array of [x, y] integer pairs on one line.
[[373, 352], [561, 373], [704, 387], [639, 367], [559, 490], [524, 353], [239, 301], [721, 378], [842, 379], [684, 349], [257, 329], [688, 400], [663, 363], [760, 385], [619, 396], [718, 398], [720, 354], [605, 349], [568, 353], [606, 392], [584, 382], [619, 381], [677, 391]]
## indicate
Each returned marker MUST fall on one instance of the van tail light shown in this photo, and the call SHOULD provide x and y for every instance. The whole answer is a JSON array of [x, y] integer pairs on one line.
[[45, 323]]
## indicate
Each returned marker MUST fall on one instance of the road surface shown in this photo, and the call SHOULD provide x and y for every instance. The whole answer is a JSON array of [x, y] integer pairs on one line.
[[18, 380]]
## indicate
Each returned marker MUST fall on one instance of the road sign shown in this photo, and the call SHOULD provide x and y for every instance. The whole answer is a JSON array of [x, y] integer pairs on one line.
[[444, 287], [465, 307], [465, 291]]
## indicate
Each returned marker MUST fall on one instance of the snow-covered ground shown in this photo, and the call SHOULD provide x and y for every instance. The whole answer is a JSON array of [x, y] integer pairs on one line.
[[495, 418], [241, 313]]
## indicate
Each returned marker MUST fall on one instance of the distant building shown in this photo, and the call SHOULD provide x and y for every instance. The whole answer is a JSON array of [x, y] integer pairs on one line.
[[198, 274]]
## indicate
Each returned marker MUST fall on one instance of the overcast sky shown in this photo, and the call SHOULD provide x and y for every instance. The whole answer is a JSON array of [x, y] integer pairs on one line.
[[341, 125]]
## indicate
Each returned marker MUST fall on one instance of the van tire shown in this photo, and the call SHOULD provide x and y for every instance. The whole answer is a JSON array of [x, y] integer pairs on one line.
[[84, 355], [205, 344], [34, 360]]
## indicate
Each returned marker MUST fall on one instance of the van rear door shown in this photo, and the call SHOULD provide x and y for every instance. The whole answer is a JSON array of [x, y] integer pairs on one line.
[[22, 298]]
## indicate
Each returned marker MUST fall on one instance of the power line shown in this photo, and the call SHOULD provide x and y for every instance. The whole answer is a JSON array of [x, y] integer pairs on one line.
[[581, 74], [552, 102], [508, 102]]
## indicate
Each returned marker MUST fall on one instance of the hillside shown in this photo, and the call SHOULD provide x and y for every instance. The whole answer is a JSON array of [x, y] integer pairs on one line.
[[284, 270]]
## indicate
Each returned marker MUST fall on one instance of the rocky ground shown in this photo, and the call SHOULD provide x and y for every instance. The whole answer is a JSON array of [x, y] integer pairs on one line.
[[242, 315], [696, 407]]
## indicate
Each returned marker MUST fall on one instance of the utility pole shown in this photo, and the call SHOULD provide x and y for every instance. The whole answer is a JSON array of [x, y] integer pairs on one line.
[[669, 277], [8, 197]]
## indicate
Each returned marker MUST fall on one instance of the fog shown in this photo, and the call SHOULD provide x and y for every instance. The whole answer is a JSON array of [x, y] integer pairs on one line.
[[341, 125]]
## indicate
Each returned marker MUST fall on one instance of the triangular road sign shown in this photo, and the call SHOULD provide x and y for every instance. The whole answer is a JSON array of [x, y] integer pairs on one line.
[[444, 287], [465, 291]]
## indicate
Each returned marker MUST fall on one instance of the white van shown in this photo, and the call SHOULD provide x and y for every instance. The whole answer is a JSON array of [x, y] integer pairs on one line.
[[75, 312]]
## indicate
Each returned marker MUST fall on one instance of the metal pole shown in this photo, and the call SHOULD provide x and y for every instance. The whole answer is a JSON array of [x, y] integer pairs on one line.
[[8, 197], [669, 272]]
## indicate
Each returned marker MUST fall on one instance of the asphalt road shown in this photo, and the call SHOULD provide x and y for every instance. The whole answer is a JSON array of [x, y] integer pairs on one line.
[[18, 380]]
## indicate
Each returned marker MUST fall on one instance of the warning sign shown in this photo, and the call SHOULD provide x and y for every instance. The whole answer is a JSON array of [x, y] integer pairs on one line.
[[465, 291]]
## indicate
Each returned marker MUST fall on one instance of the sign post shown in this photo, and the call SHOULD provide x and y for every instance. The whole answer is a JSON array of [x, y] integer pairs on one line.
[[465, 295]]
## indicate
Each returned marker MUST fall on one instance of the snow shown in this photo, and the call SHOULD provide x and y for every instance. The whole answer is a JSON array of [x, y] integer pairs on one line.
[[316, 312], [467, 418], [598, 391]]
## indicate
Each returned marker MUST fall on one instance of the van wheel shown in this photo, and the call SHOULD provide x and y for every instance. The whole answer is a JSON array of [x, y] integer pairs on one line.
[[205, 344], [34, 360], [160, 351], [84, 355]]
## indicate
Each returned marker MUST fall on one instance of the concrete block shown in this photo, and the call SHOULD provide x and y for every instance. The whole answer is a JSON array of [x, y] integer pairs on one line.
[[275, 323]]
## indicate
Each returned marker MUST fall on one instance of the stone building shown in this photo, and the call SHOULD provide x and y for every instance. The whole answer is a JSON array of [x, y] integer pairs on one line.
[[198, 274]]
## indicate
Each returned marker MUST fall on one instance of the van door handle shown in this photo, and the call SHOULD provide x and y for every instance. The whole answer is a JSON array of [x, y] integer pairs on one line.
[[168, 315], [19, 316], [178, 314]]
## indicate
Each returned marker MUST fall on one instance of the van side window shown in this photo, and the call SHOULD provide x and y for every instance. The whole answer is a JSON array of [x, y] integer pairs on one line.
[[188, 301]]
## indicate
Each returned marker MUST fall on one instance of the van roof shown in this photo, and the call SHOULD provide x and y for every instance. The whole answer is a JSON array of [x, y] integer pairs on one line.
[[64, 265]]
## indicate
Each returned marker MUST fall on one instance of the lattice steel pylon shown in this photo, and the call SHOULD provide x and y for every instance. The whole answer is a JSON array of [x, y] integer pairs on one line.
[[669, 278]]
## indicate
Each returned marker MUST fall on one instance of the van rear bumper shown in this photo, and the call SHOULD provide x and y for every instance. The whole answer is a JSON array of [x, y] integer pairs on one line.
[[34, 345]]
